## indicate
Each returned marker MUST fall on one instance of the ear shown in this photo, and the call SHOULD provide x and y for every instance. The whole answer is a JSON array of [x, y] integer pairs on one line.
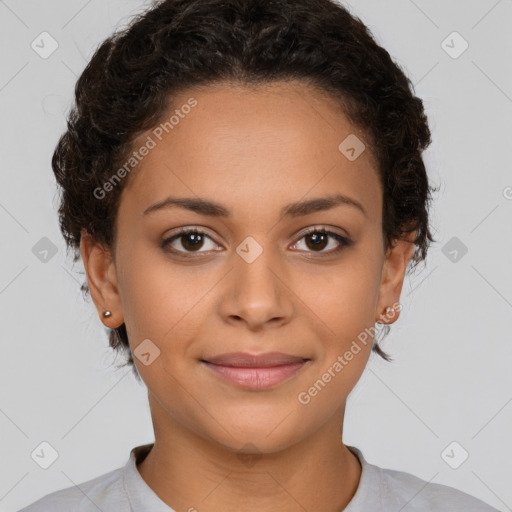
[[102, 279], [393, 274]]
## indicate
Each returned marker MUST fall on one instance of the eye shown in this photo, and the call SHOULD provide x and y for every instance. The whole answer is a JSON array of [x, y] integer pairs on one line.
[[193, 239], [190, 239], [317, 238]]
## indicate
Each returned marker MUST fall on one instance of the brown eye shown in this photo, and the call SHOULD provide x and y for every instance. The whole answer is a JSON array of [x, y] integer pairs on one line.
[[190, 240], [317, 239]]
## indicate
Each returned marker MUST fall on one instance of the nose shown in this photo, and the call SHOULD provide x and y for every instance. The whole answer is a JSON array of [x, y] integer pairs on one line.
[[257, 294]]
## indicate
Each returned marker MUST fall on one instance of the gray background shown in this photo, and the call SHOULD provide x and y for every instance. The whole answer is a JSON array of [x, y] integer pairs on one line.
[[451, 380]]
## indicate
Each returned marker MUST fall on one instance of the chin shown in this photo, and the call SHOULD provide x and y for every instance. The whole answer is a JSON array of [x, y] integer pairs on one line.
[[259, 435]]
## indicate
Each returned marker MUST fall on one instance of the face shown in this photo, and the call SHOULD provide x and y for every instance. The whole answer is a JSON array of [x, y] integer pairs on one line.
[[263, 269]]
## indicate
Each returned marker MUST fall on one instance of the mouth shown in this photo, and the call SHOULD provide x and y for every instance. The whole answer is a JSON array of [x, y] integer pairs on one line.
[[255, 372]]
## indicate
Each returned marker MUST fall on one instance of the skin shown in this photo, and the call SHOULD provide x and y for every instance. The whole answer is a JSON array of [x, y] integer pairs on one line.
[[254, 151]]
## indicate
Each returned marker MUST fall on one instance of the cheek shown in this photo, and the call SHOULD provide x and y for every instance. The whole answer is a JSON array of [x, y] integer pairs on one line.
[[164, 302], [347, 298], [151, 287], [326, 392], [347, 308]]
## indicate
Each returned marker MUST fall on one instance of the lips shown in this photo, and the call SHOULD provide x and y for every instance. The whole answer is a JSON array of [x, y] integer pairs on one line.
[[255, 371], [240, 359]]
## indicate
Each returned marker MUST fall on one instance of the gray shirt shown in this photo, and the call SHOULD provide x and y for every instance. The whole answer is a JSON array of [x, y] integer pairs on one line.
[[379, 489]]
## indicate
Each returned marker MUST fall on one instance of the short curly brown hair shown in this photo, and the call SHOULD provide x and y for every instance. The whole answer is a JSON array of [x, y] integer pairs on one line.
[[129, 83]]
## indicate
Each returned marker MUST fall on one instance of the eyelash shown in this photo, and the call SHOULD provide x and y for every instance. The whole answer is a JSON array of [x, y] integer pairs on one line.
[[344, 242]]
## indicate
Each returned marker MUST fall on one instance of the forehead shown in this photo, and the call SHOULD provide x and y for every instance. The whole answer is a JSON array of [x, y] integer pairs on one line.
[[243, 146]]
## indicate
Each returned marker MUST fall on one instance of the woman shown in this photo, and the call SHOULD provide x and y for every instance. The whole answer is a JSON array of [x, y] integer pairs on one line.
[[244, 182]]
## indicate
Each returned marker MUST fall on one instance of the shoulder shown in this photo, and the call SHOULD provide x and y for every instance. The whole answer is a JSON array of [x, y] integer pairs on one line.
[[390, 490], [414, 494], [104, 493]]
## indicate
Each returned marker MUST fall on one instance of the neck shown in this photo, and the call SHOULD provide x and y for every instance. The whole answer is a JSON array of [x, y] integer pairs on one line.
[[190, 472]]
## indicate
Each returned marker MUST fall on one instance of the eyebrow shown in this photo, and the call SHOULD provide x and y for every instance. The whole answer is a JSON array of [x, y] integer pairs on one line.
[[297, 209]]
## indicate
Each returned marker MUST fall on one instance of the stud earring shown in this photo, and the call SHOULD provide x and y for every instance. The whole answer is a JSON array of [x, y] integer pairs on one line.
[[387, 312], [106, 314]]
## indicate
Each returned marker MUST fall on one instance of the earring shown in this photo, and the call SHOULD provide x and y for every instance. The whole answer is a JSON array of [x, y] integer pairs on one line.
[[106, 314], [387, 312]]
